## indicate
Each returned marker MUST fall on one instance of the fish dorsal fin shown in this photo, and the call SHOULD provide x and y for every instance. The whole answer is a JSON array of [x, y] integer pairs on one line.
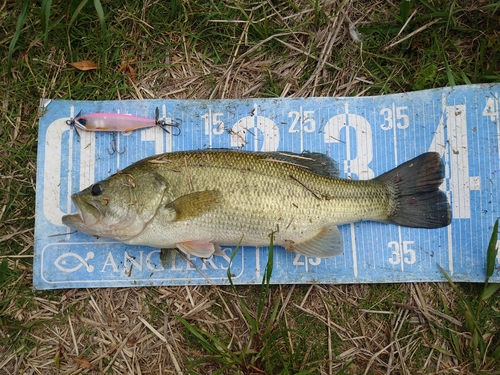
[[315, 162], [194, 204], [326, 243]]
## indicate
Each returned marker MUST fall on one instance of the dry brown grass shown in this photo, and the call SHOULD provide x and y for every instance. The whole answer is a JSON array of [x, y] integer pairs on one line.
[[135, 330]]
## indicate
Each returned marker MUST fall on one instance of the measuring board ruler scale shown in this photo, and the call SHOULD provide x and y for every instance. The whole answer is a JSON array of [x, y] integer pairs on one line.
[[366, 135]]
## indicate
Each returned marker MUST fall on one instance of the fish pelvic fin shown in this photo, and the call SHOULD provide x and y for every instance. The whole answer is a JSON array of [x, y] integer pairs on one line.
[[199, 248], [416, 200], [326, 243]]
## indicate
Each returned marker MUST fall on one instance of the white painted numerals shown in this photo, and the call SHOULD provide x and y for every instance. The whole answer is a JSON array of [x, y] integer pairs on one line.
[[402, 252], [302, 120], [213, 123], [395, 115], [491, 108], [451, 140], [301, 260], [347, 125], [253, 125]]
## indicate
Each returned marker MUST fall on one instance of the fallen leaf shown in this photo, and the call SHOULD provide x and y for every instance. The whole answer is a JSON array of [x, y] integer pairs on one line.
[[123, 67], [83, 363], [126, 64], [84, 65], [133, 75], [126, 67]]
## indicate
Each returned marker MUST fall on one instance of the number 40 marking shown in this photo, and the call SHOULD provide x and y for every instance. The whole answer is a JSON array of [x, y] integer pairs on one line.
[[491, 108]]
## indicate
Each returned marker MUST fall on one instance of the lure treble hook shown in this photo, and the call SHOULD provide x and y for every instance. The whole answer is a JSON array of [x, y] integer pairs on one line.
[[163, 124]]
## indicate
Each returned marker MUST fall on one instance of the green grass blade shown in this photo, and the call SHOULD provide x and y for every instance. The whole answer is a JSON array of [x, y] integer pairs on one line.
[[264, 288], [344, 368], [449, 74], [490, 290], [429, 6], [100, 13], [250, 319], [492, 252], [270, 261], [455, 289], [465, 78], [449, 21], [496, 353], [20, 23], [45, 15], [208, 341], [443, 350], [455, 343], [404, 10], [76, 13], [4, 271]]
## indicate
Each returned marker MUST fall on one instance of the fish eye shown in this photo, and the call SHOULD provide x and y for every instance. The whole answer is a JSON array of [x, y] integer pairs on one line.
[[96, 189], [81, 120]]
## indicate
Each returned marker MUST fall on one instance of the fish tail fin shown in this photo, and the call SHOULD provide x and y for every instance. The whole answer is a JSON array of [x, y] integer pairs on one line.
[[416, 200]]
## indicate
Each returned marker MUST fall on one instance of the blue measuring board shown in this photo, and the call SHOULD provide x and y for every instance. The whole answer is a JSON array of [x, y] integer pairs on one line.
[[366, 135]]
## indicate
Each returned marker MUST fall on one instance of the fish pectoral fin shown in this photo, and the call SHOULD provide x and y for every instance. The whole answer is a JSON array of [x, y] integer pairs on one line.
[[325, 244], [199, 248], [194, 204]]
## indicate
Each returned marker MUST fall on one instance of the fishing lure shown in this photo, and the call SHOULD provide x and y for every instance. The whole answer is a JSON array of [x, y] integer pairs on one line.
[[116, 122]]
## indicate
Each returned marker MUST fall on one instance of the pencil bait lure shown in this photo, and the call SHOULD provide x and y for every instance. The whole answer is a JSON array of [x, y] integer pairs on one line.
[[116, 122]]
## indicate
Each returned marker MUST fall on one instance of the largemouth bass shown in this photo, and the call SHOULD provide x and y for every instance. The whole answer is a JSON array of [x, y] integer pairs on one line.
[[198, 200]]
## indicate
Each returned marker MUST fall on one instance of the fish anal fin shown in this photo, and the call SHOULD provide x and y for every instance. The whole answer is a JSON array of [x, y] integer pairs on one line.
[[194, 204], [199, 248], [326, 243]]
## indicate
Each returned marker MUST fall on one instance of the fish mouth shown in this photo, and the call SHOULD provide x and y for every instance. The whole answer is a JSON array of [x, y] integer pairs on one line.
[[86, 216]]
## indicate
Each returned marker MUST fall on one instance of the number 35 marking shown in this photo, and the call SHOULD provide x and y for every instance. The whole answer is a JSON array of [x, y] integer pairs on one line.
[[402, 253], [401, 119]]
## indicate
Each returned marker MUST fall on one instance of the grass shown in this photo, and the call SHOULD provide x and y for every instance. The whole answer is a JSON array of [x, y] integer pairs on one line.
[[211, 49], [483, 341]]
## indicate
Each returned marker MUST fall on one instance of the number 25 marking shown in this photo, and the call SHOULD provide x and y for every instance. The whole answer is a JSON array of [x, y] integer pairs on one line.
[[307, 122]]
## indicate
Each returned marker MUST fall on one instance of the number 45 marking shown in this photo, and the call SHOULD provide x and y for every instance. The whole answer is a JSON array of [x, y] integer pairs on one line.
[[306, 261]]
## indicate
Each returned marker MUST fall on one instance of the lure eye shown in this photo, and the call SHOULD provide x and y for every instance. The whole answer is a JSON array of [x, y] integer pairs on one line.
[[81, 120], [96, 189]]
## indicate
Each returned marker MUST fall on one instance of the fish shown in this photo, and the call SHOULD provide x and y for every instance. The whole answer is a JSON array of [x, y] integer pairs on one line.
[[197, 201]]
